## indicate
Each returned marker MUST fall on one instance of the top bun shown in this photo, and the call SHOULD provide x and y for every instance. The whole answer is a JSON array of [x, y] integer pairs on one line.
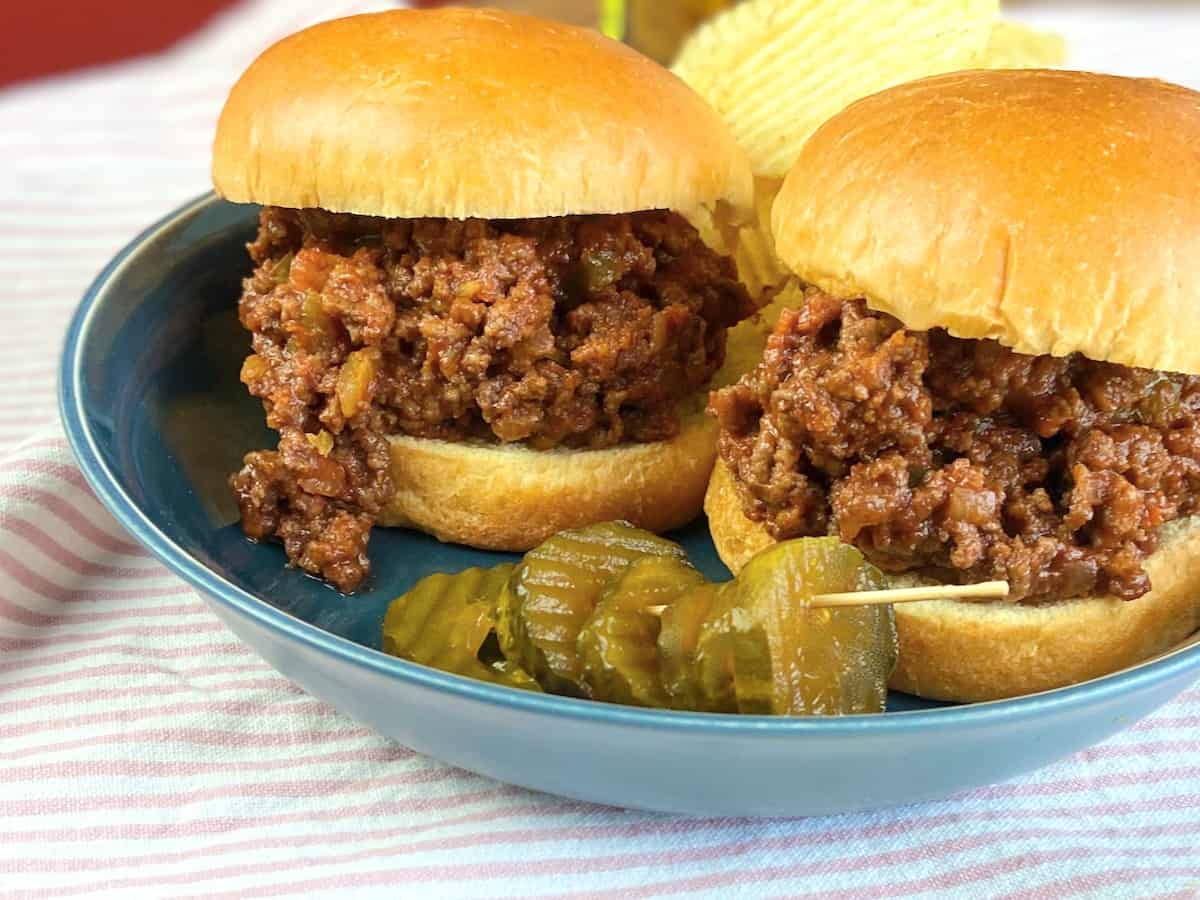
[[1056, 212], [470, 113]]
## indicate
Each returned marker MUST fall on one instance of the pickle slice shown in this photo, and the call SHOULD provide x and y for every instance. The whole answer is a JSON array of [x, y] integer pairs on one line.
[[763, 648], [678, 642], [618, 645], [444, 621], [503, 671], [554, 591], [713, 658]]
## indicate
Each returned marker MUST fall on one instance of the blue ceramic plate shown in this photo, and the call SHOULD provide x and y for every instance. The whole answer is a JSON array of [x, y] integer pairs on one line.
[[157, 418]]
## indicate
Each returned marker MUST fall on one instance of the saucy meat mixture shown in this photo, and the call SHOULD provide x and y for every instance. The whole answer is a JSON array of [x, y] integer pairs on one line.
[[582, 331], [961, 459]]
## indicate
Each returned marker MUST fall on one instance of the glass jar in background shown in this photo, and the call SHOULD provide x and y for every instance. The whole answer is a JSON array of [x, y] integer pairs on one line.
[[656, 27]]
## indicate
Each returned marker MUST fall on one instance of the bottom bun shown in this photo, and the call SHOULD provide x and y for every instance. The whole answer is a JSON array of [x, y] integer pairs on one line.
[[499, 497], [950, 650]]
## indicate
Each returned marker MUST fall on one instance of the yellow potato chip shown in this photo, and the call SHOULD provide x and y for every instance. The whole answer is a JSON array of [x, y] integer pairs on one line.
[[740, 27], [716, 227], [747, 340], [754, 249], [1012, 45], [747, 240], [754, 254], [777, 69]]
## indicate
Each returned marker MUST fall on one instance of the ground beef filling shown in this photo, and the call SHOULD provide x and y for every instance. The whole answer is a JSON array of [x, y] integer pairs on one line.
[[583, 331], [961, 459]]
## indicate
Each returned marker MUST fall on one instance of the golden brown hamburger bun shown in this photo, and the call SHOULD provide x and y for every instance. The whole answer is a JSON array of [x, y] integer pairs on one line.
[[512, 498], [736, 537], [968, 652], [470, 113], [1054, 211], [480, 113]]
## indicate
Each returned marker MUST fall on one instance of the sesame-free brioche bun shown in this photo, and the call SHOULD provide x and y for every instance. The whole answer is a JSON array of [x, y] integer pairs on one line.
[[508, 497], [470, 113], [967, 652], [1053, 211]]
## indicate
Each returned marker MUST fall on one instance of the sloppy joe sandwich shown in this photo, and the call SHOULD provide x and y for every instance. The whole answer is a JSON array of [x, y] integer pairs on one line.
[[478, 305], [989, 371]]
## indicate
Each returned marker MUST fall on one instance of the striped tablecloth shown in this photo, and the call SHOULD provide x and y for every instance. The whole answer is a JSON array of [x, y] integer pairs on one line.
[[146, 752]]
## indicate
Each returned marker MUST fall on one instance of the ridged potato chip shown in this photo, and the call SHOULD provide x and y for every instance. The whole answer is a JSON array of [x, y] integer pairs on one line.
[[1011, 45], [776, 69], [747, 240], [739, 29], [747, 340], [754, 248]]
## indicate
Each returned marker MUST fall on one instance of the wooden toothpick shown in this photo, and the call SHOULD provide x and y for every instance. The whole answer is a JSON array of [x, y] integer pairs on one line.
[[985, 590]]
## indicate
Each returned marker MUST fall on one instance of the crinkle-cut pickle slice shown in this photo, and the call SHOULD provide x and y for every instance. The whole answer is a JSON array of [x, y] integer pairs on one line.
[[444, 620], [618, 649], [763, 649], [678, 640], [554, 591]]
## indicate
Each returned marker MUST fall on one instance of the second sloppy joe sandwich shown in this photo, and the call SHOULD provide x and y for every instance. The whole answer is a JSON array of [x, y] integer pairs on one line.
[[478, 306], [990, 371]]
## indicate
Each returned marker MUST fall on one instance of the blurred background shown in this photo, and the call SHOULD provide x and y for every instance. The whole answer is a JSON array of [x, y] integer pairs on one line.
[[60, 35]]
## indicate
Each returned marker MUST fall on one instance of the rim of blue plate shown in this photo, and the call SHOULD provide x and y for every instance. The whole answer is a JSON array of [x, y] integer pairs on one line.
[[118, 502]]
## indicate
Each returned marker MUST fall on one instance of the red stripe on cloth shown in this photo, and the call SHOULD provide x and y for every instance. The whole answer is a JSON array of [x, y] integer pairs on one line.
[[142, 768], [470, 871], [513, 837], [71, 516], [89, 674], [550, 809], [17, 613], [974, 874], [234, 709], [1084, 784], [12, 644], [1091, 882], [891, 887], [56, 441], [1142, 749], [40, 465], [290, 790], [656, 827], [1168, 722], [186, 652], [190, 828], [67, 558], [50, 590], [107, 693], [199, 737]]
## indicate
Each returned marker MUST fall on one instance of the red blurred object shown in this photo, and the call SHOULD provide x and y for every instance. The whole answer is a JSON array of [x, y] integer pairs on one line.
[[39, 37]]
